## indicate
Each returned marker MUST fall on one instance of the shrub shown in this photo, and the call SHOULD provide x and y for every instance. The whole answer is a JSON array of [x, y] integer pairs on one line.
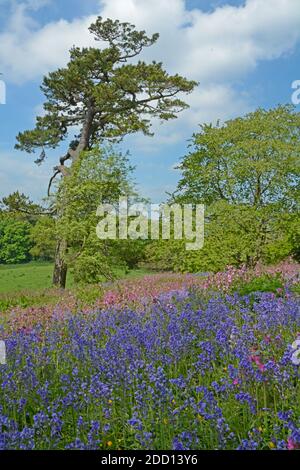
[[265, 283]]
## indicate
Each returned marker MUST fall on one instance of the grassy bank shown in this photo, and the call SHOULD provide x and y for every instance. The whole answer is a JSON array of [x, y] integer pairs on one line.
[[38, 276], [30, 276], [29, 284]]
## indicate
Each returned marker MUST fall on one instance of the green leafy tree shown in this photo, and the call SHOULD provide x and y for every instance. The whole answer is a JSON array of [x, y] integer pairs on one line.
[[247, 173], [293, 235], [20, 215], [108, 94], [131, 252], [21, 207], [234, 235], [99, 176], [43, 237], [252, 160], [15, 240]]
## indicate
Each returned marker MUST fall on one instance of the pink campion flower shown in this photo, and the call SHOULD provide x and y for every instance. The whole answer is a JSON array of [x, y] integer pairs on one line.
[[256, 359], [235, 382], [292, 445]]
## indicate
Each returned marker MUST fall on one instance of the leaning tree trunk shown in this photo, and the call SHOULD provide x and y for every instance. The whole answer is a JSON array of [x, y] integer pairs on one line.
[[60, 266]]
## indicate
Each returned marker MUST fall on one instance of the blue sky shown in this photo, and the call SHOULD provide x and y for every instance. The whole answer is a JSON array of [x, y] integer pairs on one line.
[[245, 54]]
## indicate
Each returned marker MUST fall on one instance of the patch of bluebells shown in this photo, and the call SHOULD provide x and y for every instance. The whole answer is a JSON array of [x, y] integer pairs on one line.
[[191, 372]]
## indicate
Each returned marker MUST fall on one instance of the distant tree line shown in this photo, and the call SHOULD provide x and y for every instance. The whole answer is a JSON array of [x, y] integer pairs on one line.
[[26, 231]]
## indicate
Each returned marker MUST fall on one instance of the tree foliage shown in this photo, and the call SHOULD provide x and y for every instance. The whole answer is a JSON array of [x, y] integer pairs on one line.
[[247, 173], [251, 160], [43, 237], [15, 240], [100, 176], [104, 93]]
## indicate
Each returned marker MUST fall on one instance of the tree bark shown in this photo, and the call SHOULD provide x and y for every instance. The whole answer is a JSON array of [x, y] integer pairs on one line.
[[60, 266]]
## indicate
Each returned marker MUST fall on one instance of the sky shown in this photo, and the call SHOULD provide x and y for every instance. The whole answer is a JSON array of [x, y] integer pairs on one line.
[[244, 54]]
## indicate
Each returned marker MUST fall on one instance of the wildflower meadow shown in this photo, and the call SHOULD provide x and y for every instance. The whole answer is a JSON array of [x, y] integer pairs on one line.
[[191, 366]]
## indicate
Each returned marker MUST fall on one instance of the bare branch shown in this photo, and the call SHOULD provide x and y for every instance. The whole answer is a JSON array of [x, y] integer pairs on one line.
[[51, 181], [62, 169]]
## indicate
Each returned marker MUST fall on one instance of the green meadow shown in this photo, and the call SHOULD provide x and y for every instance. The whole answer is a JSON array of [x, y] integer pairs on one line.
[[38, 276]]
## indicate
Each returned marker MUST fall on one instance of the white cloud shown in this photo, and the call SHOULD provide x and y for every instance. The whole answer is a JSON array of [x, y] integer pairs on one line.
[[17, 171], [28, 51], [216, 48], [213, 47], [225, 43], [207, 46], [210, 103], [215, 102]]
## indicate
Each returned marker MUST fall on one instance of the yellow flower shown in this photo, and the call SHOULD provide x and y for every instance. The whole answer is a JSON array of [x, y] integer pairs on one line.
[[260, 429], [165, 421], [109, 443], [271, 445], [200, 418], [110, 402]]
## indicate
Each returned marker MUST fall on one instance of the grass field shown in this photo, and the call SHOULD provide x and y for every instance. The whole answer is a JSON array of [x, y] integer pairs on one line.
[[25, 276], [36, 276]]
